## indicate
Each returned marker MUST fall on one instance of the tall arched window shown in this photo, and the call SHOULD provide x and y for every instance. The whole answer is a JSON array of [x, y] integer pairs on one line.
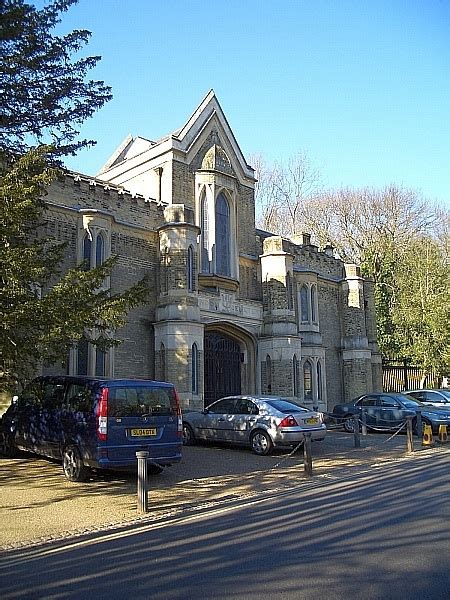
[[314, 303], [295, 376], [194, 371], [222, 236], [99, 250], [82, 357], [190, 269], [319, 381], [87, 248], [269, 374], [205, 236], [100, 362], [90, 258], [162, 354], [304, 308], [307, 380]]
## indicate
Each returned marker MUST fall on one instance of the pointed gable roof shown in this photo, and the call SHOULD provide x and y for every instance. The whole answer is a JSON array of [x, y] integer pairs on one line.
[[186, 140], [208, 110], [130, 147]]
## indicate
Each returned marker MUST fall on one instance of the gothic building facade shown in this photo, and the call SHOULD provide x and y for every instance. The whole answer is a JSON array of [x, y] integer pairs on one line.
[[232, 309]]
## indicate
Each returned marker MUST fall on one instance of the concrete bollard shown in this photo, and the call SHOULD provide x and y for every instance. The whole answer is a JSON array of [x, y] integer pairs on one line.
[[363, 422], [356, 434], [307, 456], [142, 482], [409, 434]]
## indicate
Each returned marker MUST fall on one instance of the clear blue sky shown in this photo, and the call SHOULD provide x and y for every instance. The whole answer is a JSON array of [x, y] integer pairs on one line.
[[362, 86]]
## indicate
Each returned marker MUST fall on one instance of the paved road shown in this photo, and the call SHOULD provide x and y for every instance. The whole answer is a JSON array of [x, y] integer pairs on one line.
[[36, 501], [382, 533]]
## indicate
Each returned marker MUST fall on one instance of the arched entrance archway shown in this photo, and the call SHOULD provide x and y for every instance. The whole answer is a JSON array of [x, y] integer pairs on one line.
[[223, 358]]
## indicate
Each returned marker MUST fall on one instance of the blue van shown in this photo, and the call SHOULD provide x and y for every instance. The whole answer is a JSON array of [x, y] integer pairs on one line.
[[95, 423]]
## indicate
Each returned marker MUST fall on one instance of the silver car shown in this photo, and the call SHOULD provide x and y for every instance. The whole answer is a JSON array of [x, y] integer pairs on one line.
[[439, 398], [256, 421]]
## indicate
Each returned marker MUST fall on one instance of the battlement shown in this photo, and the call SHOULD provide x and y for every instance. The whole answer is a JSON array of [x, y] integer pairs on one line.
[[95, 186], [78, 192]]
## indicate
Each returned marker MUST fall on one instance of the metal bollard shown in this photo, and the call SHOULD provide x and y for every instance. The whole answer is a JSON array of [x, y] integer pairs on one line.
[[356, 434], [363, 422], [409, 434], [142, 483], [419, 423], [307, 456]]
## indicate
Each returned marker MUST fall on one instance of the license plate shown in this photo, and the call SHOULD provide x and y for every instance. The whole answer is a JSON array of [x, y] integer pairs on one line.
[[142, 432], [312, 421]]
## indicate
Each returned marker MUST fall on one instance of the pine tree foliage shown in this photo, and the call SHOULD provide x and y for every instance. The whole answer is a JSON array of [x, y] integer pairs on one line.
[[44, 96]]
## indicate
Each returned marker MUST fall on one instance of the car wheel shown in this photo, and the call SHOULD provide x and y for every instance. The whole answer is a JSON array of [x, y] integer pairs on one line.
[[154, 469], [7, 446], [261, 443], [349, 424], [188, 435], [73, 466]]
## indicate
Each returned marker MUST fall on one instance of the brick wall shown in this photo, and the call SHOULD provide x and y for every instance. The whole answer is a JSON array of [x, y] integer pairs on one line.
[[182, 184], [330, 328]]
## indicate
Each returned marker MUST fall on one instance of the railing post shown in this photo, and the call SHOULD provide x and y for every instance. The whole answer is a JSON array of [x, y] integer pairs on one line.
[[356, 435], [405, 374], [307, 457], [142, 483], [419, 423], [409, 434], [363, 422]]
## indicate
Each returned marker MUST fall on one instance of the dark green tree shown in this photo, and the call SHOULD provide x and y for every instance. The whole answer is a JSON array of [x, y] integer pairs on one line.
[[44, 99], [44, 93], [421, 308]]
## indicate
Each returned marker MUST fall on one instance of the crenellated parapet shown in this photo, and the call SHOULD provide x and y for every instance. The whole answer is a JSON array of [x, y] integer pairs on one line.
[[78, 192]]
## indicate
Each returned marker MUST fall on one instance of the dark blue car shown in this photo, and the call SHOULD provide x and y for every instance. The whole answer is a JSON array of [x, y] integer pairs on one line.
[[91, 423], [388, 410]]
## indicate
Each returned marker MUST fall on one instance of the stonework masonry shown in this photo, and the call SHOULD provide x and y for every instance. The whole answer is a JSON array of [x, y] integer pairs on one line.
[[231, 309]]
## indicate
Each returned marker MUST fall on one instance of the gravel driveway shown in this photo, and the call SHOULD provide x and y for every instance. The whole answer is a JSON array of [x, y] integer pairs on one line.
[[38, 503]]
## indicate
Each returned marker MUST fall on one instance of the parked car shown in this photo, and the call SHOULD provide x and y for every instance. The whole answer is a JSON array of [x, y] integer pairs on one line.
[[91, 423], [259, 422], [388, 411], [440, 398]]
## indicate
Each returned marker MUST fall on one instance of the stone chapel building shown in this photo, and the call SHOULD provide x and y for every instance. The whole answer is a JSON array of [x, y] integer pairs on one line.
[[232, 309]]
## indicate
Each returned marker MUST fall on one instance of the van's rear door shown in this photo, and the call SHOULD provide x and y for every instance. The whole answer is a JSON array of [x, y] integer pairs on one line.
[[142, 416]]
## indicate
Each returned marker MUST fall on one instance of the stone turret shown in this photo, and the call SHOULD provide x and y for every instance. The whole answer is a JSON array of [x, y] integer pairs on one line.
[[178, 301], [280, 342], [356, 355]]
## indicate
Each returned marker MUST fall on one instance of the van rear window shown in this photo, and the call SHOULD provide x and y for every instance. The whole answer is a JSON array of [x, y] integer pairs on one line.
[[141, 401]]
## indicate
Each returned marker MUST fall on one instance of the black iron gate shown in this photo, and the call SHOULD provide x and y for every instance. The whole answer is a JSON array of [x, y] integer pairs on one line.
[[222, 367]]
